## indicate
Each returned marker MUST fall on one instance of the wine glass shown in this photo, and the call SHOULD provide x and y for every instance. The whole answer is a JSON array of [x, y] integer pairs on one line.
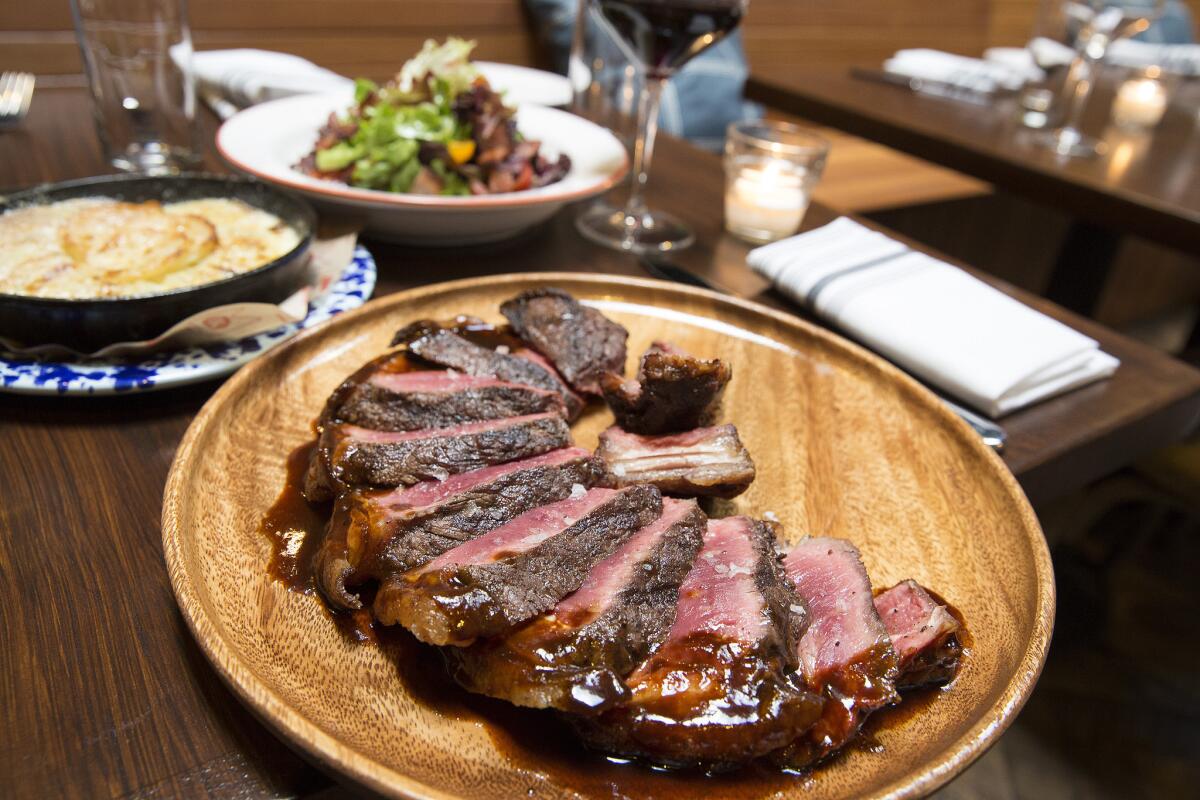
[[658, 37], [1095, 25]]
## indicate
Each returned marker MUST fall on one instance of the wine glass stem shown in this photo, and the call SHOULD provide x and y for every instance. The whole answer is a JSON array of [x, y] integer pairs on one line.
[[643, 149], [1077, 89]]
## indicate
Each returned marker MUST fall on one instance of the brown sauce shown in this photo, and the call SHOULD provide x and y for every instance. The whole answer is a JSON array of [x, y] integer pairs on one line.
[[294, 527]]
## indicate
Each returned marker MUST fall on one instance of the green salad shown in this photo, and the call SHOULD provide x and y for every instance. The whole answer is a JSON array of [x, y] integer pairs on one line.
[[436, 128]]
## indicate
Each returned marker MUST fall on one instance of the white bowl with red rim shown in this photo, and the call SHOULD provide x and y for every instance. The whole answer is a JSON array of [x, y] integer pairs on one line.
[[268, 139]]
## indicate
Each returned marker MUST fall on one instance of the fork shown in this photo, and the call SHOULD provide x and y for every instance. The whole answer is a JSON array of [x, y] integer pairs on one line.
[[16, 92]]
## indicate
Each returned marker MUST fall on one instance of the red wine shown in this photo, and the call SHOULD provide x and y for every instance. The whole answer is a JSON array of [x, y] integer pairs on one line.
[[665, 34]]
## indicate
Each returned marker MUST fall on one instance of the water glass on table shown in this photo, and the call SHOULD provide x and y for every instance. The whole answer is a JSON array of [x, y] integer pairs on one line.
[[138, 57], [770, 171]]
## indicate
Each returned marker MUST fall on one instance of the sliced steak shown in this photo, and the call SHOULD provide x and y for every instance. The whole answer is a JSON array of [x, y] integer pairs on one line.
[[491, 584], [924, 633], [373, 534], [845, 655], [410, 401], [673, 392], [348, 456], [388, 363], [707, 461], [446, 348], [580, 342], [720, 690], [574, 657]]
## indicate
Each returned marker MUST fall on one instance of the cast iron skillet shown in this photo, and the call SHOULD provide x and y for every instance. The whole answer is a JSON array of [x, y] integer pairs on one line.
[[87, 325]]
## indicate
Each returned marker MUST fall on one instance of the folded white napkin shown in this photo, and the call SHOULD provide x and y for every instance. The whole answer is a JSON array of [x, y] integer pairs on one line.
[[246, 77], [973, 74], [934, 320], [1178, 59]]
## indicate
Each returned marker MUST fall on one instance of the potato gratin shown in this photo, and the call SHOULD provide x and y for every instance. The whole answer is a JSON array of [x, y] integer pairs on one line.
[[98, 247]]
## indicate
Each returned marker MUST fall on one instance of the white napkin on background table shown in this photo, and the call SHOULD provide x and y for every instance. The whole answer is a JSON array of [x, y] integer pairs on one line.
[[934, 320], [974, 74], [1177, 59]]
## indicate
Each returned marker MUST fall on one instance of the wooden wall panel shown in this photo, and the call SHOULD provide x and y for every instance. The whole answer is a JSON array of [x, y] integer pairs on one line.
[[352, 35], [787, 34], [367, 37]]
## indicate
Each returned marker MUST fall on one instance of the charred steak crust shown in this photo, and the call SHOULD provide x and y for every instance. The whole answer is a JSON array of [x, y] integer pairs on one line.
[[373, 406], [705, 462], [448, 349], [788, 611], [366, 539], [707, 697], [387, 363], [581, 342], [577, 663], [673, 392], [457, 604], [344, 459]]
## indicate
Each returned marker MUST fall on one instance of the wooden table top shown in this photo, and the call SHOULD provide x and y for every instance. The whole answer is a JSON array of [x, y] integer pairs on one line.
[[1146, 184], [106, 694]]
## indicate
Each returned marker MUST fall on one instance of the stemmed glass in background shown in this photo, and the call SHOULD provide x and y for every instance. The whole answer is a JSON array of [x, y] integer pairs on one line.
[[1092, 26], [658, 37]]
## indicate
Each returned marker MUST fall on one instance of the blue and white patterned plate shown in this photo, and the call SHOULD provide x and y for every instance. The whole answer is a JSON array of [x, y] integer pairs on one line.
[[162, 370]]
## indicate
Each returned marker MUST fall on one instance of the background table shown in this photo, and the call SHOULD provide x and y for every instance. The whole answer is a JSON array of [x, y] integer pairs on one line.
[[103, 690], [1146, 184]]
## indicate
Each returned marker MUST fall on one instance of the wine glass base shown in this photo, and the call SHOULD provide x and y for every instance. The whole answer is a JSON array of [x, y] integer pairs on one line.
[[1070, 142], [155, 158], [647, 232]]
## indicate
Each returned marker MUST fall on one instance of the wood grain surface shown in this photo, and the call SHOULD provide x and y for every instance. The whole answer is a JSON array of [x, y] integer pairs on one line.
[[844, 445], [106, 693], [1146, 184]]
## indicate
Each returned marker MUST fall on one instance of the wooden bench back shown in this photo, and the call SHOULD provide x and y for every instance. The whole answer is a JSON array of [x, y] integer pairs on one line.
[[373, 37]]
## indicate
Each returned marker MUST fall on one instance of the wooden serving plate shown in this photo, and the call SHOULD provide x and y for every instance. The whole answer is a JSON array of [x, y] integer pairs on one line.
[[846, 445]]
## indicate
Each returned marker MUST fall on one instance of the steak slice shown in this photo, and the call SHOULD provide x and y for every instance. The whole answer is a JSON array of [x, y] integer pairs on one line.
[[845, 655], [673, 392], [707, 461], [720, 690], [574, 657], [924, 633], [580, 342], [491, 584], [410, 401], [446, 348], [349, 456], [372, 534]]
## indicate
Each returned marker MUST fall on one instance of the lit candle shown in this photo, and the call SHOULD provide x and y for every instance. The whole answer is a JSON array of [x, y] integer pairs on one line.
[[766, 201], [1139, 103]]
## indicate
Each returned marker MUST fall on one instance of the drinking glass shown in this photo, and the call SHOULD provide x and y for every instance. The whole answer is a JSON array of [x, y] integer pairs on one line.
[[1094, 25], [657, 37], [138, 57], [771, 169]]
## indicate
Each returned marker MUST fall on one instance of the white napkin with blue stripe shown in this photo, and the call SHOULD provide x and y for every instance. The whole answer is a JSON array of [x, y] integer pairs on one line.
[[952, 330]]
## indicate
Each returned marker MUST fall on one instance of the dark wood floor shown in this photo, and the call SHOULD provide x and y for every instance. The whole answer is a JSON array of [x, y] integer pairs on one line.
[[1117, 711]]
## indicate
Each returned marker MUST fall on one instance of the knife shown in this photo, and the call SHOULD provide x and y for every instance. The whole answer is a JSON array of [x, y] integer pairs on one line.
[[942, 89], [662, 268]]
